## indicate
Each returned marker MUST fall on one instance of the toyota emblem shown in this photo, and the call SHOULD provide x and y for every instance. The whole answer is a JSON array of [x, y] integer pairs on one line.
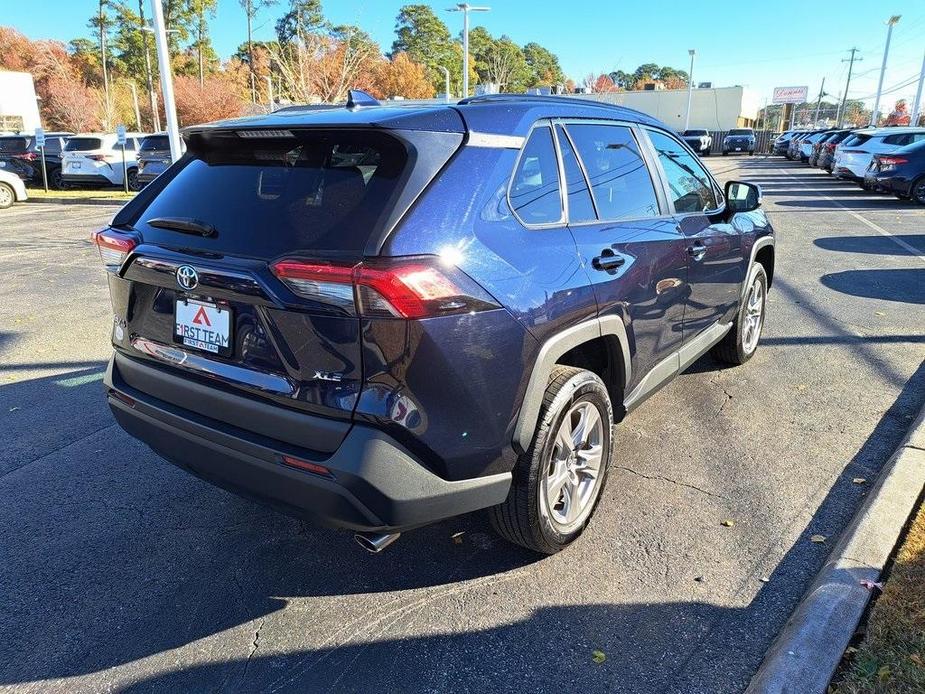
[[187, 277]]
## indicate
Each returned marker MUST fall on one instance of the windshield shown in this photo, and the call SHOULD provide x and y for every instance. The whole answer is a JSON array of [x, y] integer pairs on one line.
[[741, 131], [83, 144], [695, 133], [157, 142], [312, 191]]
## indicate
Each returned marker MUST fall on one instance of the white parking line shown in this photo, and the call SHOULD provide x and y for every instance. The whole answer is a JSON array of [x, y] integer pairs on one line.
[[876, 227]]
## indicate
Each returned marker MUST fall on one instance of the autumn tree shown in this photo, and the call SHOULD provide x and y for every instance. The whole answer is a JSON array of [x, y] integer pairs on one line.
[[543, 64], [401, 76], [216, 98], [303, 17]]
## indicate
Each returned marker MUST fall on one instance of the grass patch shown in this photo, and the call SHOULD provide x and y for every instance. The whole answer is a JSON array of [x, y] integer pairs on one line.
[[892, 656], [39, 195]]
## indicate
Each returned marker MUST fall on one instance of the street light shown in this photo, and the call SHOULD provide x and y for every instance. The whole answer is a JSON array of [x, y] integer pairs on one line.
[[446, 79], [886, 51], [466, 8], [163, 62], [690, 90]]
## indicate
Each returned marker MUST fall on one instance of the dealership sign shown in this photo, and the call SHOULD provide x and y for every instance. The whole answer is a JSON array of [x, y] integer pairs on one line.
[[790, 95]]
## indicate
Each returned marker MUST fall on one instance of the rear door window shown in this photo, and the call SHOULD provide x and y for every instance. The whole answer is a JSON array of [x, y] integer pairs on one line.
[[13, 144], [580, 207], [158, 142], [265, 197], [535, 195], [690, 187], [620, 180]]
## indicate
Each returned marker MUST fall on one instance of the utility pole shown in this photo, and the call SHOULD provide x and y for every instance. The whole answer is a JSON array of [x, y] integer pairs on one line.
[[155, 116], [466, 8], [690, 90], [891, 22], [249, 11], [163, 62], [917, 106], [446, 79], [819, 103], [847, 85]]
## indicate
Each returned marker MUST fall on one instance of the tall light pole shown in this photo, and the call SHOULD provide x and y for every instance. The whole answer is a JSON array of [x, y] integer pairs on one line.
[[891, 22], [844, 99], [466, 8], [163, 62], [690, 90], [917, 106]]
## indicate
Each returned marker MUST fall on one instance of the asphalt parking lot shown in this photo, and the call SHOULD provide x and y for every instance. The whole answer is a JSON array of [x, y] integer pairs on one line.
[[121, 572]]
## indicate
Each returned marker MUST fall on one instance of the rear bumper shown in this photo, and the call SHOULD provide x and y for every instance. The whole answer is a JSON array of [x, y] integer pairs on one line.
[[889, 183], [99, 179], [374, 484]]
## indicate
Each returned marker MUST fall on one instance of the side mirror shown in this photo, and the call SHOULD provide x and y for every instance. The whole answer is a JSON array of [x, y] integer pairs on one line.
[[742, 197]]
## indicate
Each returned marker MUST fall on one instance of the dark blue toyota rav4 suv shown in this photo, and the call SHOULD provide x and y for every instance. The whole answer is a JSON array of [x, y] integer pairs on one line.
[[377, 317]]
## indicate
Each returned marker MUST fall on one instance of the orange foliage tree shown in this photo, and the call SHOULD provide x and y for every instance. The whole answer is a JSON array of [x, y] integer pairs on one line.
[[220, 96], [401, 76]]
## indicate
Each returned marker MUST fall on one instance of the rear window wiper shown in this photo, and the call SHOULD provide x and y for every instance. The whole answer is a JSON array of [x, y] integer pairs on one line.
[[183, 224]]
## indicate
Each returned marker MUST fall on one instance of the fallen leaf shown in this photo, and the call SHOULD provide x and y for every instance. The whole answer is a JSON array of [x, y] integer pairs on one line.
[[13, 409], [884, 672], [699, 579], [859, 480], [598, 657], [728, 523], [764, 579], [802, 386], [818, 539], [879, 313], [850, 650], [458, 537], [870, 585], [916, 658]]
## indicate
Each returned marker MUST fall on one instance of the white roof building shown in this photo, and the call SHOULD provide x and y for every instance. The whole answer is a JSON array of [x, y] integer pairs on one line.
[[19, 109]]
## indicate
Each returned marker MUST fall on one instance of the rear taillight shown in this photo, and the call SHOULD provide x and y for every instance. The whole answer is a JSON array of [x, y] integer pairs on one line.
[[113, 247], [96, 157], [890, 162], [395, 288], [28, 156]]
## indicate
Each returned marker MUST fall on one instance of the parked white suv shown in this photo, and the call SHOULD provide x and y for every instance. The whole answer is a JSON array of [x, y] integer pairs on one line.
[[96, 158], [854, 154]]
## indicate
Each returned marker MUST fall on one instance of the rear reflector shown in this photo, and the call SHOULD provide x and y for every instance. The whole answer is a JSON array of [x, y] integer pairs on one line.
[[113, 247], [122, 397], [398, 288], [307, 466]]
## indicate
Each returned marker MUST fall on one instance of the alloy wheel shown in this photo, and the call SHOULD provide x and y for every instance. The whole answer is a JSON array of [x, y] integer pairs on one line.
[[6, 196], [753, 317], [575, 467]]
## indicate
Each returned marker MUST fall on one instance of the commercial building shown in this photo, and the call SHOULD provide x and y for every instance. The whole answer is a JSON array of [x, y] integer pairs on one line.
[[713, 109], [19, 109]]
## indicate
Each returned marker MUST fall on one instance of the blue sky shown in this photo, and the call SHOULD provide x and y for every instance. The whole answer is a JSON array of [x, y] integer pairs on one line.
[[755, 44]]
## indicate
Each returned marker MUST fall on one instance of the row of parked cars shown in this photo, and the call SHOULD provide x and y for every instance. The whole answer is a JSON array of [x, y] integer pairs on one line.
[[889, 160], [740, 140], [85, 159]]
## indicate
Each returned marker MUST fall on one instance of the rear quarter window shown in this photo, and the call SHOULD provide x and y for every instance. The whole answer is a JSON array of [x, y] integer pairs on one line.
[[268, 197], [14, 144]]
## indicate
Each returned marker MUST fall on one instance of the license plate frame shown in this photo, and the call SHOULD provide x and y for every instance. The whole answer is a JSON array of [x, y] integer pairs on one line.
[[200, 320]]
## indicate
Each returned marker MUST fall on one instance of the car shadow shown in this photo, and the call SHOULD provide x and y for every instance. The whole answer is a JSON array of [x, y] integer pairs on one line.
[[865, 203], [876, 245], [906, 286]]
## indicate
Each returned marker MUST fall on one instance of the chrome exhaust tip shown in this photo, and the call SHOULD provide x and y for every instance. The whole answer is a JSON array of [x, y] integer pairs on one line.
[[375, 542]]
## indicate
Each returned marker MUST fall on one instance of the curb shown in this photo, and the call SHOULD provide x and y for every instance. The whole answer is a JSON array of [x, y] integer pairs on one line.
[[809, 648], [76, 201]]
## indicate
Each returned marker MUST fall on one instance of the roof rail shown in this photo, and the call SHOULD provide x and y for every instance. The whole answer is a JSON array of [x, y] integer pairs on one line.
[[488, 98]]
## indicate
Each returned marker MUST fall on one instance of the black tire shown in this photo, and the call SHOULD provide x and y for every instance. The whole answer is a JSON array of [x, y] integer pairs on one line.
[[732, 348], [725, 153], [525, 517], [917, 190], [7, 196], [56, 179], [133, 182], [706, 153]]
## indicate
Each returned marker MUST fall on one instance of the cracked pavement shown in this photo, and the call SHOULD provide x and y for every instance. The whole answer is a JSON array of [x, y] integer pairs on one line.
[[120, 572]]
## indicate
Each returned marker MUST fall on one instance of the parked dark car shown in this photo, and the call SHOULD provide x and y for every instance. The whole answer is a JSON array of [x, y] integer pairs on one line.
[[900, 173], [826, 157], [698, 140], [19, 155], [739, 140], [793, 147], [816, 147], [781, 142], [153, 157], [327, 311]]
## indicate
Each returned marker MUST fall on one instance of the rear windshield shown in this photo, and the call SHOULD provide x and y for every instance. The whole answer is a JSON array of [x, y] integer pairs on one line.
[[267, 197], [741, 131], [83, 144], [154, 143], [13, 144], [856, 140]]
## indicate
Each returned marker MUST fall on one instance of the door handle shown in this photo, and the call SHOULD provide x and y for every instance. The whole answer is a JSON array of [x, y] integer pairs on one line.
[[607, 260], [697, 251]]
